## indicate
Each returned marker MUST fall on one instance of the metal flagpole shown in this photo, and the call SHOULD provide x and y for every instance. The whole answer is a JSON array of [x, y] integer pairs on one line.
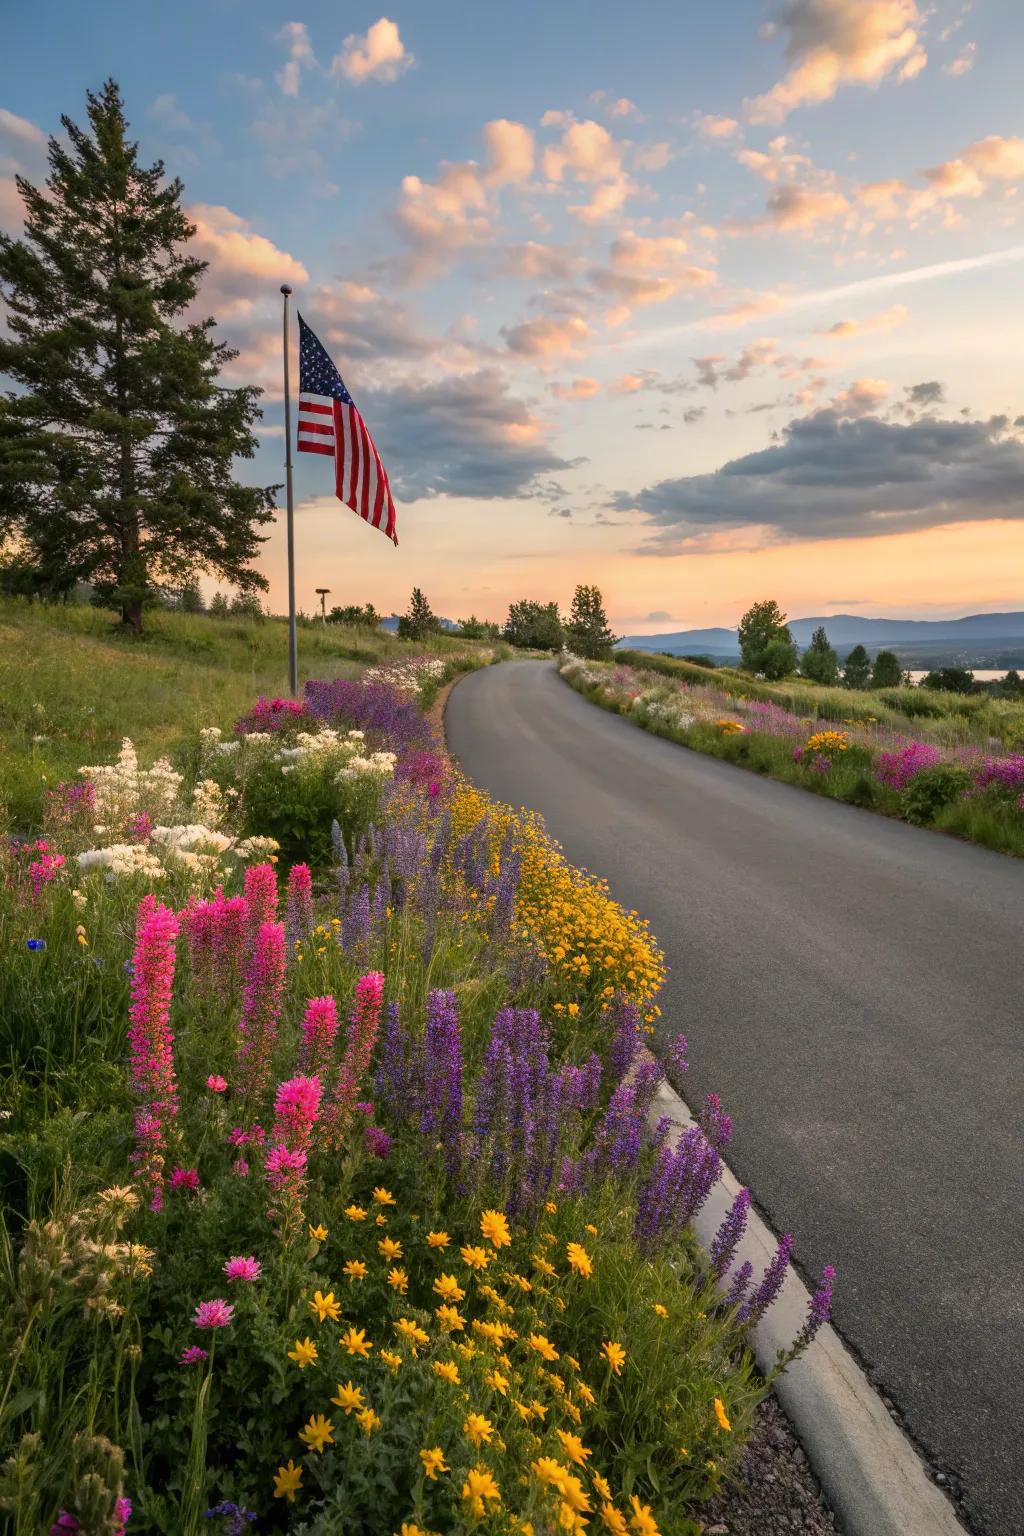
[[293, 636]]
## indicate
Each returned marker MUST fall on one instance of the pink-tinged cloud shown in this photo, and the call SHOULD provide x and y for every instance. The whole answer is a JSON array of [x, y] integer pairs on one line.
[[749, 308], [580, 389], [20, 130], [510, 152], [861, 397], [885, 320], [295, 35], [712, 127], [964, 61], [548, 338], [242, 262], [832, 43], [378, 54]]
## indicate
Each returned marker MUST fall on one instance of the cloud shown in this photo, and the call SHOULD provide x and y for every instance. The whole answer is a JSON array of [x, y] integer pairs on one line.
[[653, 157], [694, 413], [659, 616], [300, 56], [861, 397], [379, 55], [715, 369], [166, 111], [651, 379], [964, 61], [750, 308], [928, 392], [885, 320], [534, 260], [510, 152], [580, 389], [986, 164], [712, 127], [614, 106], [242, 262], [796, 207], [831, 43], [648, 269], [12, 209], [589, 154], [836, 477], [548, 338], [20, 131], [463, 436]]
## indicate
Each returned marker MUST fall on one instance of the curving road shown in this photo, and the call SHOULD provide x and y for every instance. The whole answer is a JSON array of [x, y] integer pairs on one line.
[[853, 988]]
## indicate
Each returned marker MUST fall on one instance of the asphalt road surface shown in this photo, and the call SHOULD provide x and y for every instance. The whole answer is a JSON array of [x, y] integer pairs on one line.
[[853, 988]]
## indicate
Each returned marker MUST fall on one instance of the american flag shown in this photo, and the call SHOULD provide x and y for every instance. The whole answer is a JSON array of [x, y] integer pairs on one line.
[[330, 423]]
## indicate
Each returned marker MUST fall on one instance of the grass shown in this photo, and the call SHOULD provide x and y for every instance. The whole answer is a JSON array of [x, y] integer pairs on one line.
[[74, 684]]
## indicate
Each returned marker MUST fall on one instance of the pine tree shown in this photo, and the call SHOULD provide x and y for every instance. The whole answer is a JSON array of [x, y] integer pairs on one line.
[[190, 597], [419, 621], [819, 661], [857, 671], [586, 628], [886, 672], [116, 453], [218, 608]]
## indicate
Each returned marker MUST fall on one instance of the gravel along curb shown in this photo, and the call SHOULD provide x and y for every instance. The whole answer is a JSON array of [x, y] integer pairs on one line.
[[868, 1469]]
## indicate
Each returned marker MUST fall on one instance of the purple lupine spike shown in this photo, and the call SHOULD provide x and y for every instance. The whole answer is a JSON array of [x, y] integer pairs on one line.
[[627, 1034], [819, 1310], [396, 1080], [441, 1109], [355, 926], [381, 893], [771, 1282], [676, 1054], [716, 1125], [730, 1234], [439, 845], [738, 1288]]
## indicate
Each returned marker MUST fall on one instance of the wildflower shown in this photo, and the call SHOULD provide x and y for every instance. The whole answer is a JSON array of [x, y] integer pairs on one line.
[[247, 1269], [261, 1006], [184, 1178], [377, 1143], [550, 1471], [820, 1305], [448, 1288], [660, 1311], [573, 1447], [579, 1260], [287, 1482], [368, 1421], [354, 1340], [355, 1213], [584, 1391], [391, 1360], [398, 1280], [497, 1382], [193, 1355], [543, 1346], [720, 1414], [478, 1428], [642, 1521], [438, 1239], [318, 1433], [383, 1196], [433, 1462], [318, 1234], [152, 1043], [550, 1207], [448, 1371], [304, 1353], [615, 1355], [613, 1521], [389, 1249], [216, 1083], [476, 1258], [603, 1487], [411, 1331], [478, 1487], [364, 1023], [349, 1398], [494, 1229], [213, 1314], [355, 1269], [325, 1306]]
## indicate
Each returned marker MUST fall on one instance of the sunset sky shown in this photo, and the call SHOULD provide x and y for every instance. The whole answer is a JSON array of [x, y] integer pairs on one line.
[[702, 303]]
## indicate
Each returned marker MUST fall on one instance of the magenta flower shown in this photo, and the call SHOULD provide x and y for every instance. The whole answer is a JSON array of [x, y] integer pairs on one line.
[[216, 1083], [364, 1023], [260, 899], [376, 1141], [184, 1178], [122, 1513], [296, 1111], [240, 1167], [213, 1314], [64, 1523], [248, 1269], [151, 1041], [216, 933], [193, 1355], [44, 869], [319, 1028], [299, 903], [261, 1006]]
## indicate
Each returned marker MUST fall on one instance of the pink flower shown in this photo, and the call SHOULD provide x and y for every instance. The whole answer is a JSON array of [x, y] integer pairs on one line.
[[241, 1167], [319, 1028], [216, 1083], [122, 1513], [44, 869], [151, 1041], [364, 1023], [140, 828], [193, 1355], [261, 1006], [213, 1314], [243, 1269], [282, 1165], [296, 1111], [299, 903], [260, 899], [184, 1178], [216, 933]]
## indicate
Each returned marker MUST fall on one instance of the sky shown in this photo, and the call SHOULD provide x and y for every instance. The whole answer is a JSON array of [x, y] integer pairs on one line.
[[700, 303]]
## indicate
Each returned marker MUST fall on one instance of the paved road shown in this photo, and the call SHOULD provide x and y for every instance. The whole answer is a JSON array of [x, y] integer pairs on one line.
[[853, 988]]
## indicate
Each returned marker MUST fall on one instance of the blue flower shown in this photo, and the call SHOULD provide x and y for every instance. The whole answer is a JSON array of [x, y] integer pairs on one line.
[[36, 943]]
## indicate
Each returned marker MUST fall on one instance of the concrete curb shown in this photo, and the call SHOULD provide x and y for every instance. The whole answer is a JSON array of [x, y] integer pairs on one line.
[[871, 1473]]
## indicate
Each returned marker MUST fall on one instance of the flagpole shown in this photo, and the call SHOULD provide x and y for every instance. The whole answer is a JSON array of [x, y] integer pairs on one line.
[[293, 636]]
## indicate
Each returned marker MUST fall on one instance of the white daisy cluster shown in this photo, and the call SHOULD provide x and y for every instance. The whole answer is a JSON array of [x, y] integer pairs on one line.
[[124, 790], [407, 676]]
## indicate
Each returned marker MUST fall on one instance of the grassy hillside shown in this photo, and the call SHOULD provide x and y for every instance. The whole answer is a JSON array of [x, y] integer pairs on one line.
[[72, 684]]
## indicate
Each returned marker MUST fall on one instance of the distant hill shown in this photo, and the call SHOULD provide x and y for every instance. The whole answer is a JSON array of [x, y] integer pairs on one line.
[[391, 624], [970, 640]]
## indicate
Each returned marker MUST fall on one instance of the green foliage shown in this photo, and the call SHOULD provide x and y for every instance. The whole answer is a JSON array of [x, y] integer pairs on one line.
[[857, 670], [886, 672], [950, 680], [534, 626], [190, 597], [586, 629], [930, 791], [766, 644], [365, 616], [117, 450], [479, 629], [218, 608], [819, 662], [419, 621]]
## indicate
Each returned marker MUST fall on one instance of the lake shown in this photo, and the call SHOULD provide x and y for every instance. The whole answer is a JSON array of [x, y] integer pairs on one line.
[[981, 674]]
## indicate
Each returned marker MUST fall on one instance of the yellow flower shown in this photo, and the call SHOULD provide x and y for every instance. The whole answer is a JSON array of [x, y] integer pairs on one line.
[[684, 1452], [389, 1249], [592, 1229], [355, 1269], [383, 1196], [433, 1462], [438, 1239], [450, 1318], [448, 1288], [541, 1264], [550, 1471], [480, 1485], [478, 1429], [355, 1213], [603, 1487], [398, 1280], [584, 1391], [494, 1229], [304, 1353], [380, 1220], [318, 1433], [543, 1346], [575, 1495], [538, 1410], [660, 1310], [476, 1258], [497, 1382], [319, 1235], [573, 1447], [325, 1306], [573, 1412], [391, 1360], [368, 1421], [355, 1341], [642, 1521], [720, 1414], [287, 1481], [349, 1398], [579, 1260], [411, 1331], [615, 1355], [448, 1371], [613, 1521]]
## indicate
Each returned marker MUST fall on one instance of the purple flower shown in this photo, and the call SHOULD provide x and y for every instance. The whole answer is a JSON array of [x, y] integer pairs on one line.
[[771, 1282], [377, 1142], [738, 1289], [819, 1309], [441, 1109], [727, 1238], [193, 1355]]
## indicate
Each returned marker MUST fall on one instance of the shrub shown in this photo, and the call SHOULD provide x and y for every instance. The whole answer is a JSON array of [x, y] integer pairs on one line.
[[931, 790]]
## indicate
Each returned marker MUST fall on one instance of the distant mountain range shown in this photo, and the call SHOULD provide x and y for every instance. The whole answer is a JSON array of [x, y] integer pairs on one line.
[[976, 640], [391, 623]]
